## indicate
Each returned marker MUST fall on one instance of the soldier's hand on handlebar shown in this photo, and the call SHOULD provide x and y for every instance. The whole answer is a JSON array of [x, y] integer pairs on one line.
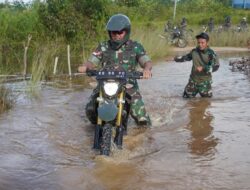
[[82, 69], [147, 74]]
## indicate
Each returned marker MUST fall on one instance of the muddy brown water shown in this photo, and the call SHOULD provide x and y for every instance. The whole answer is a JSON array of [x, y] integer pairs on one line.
[[46, 141]]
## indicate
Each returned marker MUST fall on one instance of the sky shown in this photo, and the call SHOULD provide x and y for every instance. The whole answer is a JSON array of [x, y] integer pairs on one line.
[[25, 1]]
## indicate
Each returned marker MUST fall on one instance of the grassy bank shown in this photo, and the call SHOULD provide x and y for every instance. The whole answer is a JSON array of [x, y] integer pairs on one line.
[[155, 46], [42, 55], [6, 99], [81, 24]]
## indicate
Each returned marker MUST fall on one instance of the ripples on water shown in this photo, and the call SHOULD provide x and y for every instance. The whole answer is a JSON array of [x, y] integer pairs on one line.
[[193, 144]]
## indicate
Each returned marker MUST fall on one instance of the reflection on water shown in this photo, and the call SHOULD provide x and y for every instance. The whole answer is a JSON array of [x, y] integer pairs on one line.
[[202, 140]]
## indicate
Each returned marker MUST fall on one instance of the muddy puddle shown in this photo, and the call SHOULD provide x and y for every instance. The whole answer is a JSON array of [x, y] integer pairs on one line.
[[193, 144]]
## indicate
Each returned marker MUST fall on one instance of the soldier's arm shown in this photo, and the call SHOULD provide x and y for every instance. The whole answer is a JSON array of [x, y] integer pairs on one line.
[[92, 62], [141, 56], [144, 61], [183, 58], [213, 62], [216, 64]]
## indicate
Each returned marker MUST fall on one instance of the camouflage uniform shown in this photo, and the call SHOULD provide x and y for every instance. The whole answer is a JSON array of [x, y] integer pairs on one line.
[[130, 55], [200, 82]]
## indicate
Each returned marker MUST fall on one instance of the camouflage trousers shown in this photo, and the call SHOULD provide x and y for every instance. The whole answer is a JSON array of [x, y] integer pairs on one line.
[[137, 107], [193, 88]]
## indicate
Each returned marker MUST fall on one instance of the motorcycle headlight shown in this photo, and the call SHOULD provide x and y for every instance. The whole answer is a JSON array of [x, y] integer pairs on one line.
[[110, 88]]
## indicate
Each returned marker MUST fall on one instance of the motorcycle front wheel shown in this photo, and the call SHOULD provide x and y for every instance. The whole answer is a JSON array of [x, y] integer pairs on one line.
[[106, 139], [181, 43]]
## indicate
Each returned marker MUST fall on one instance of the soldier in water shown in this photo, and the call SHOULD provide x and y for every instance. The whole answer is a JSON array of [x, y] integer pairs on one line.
[[205, 61]]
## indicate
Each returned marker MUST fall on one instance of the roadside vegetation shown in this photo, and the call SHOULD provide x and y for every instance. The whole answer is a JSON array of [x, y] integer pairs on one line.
[[54, 24], [6, 99]]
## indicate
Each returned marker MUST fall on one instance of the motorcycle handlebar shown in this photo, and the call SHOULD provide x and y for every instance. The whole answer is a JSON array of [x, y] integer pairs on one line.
[[131, 75], [91, 73]]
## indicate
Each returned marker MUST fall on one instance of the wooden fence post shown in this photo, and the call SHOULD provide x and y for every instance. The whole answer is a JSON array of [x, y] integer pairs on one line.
[[55, 65], [26, 46], [69, 64]]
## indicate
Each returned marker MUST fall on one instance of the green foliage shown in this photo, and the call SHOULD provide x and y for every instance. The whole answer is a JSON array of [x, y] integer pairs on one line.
[[69, 18], [155, 46], [6, 98], [81, 23], [59, 18]]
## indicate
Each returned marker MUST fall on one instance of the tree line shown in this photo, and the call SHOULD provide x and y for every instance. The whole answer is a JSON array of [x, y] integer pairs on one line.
[[81, 23]]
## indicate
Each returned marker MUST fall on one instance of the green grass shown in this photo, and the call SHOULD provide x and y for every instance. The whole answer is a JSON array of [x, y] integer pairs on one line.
[[230, 39], [225, 39], [6, 98], [155, 46], [42, 60]]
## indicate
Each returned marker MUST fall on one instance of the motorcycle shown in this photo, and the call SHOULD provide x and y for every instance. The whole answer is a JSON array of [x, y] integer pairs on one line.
[[176, 37], [113, 106], [240, 28]]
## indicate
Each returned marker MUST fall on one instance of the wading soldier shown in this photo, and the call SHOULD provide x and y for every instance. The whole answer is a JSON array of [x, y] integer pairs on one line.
[[120, 50], [205, 61]]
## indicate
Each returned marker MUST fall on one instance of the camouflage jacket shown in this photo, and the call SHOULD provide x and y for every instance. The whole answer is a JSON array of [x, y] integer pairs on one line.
[[129, 56], [206, 59]]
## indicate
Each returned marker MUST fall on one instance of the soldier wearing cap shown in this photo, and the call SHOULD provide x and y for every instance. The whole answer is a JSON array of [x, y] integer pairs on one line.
[[120, 50], [205, 61]]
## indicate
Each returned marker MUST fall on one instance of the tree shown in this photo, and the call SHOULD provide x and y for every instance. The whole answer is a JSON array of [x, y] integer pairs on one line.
[[68, 18]]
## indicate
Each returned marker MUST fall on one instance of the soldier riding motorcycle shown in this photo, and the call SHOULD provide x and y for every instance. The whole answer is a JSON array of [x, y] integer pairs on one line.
[[111, 103], [178, 38]]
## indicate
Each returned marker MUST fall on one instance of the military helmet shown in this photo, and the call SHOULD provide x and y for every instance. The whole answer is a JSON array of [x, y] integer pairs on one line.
[[118, 22]]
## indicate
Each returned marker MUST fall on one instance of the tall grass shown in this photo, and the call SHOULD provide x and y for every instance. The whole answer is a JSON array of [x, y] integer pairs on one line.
[[42, 66], [224, 38], [231, 39], [155, 46], [6, 98]]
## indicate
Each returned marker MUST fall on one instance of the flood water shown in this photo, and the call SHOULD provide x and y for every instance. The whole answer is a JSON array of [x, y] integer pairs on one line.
[[46, 141]]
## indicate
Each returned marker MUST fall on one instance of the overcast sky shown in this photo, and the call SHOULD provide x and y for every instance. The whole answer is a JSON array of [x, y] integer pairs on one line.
[[25, 1]]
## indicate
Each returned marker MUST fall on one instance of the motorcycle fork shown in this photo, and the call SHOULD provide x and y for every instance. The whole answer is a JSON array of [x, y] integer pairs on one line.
[[98, 129], [99, 121], [119, 128], [120, 108]]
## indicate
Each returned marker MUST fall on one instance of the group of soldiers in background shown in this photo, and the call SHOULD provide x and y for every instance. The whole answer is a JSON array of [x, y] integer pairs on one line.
[[169, 25], [226, 26]]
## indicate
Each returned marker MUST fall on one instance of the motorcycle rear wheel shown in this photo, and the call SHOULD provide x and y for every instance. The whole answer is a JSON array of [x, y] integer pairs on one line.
[[181, 43]]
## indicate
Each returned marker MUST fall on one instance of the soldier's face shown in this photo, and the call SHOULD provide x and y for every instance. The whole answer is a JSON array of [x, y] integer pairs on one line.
[[202, 43], [118, 35]]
